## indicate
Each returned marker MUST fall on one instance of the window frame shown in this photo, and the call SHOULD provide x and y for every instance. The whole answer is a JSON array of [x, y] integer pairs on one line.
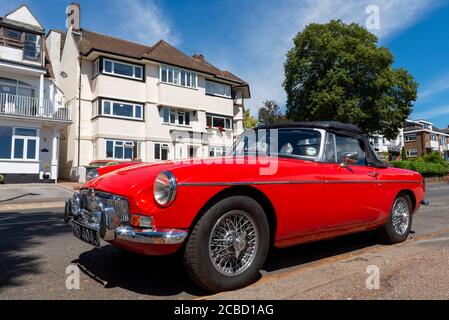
[[102, 69], [161, 146], [208, 81], [409, 155], [175, 112], [189, 75], [214, 150], [99, 103], [212, 116], [124, 146], [25, 139], [407, 135]]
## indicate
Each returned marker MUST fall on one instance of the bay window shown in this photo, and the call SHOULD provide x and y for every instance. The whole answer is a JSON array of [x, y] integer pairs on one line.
[[119, 109], [118, 68], [218, 89], [213, 121], [175, 116], [18, 143], [177, 76]]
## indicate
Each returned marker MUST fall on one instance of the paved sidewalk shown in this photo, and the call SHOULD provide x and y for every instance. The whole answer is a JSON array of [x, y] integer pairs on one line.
[[32, 196]]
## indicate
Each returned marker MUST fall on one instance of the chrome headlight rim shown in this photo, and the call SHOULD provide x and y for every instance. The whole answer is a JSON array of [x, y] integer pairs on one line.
[[171, 184]]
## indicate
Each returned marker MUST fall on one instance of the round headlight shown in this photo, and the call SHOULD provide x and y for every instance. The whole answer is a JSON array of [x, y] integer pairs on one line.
[[93, 173], [165, 189]]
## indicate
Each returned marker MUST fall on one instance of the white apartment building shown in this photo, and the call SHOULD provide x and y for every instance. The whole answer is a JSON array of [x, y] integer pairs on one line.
[[131, 101], [32, 112]]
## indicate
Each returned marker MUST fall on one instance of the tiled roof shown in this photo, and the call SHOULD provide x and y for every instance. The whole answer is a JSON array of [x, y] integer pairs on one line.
[[162, 51]]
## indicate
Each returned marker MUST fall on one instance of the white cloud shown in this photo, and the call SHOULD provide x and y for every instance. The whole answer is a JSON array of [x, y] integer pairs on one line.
[[144, 21], [271, 27], [439, 85], [432, 113]]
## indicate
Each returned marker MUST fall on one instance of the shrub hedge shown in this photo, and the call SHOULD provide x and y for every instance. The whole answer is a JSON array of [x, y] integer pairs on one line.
[[429, 165]]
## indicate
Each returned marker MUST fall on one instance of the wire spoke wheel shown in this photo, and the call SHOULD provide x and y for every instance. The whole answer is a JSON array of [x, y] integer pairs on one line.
[[233, 243], [400, 216]]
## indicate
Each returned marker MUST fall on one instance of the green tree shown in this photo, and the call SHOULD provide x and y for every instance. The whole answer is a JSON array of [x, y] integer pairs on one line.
[[336, 71], [403, 154], [270, 113], [248, 120]]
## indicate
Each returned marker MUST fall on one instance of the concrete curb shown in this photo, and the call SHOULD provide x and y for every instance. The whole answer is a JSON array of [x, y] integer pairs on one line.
[[30, 206]]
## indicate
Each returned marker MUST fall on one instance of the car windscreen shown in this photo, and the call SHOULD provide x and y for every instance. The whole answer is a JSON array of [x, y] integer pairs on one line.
[[283, 142]]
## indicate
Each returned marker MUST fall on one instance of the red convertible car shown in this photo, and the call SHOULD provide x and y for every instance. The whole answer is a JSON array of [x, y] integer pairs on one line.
[[278, 186]]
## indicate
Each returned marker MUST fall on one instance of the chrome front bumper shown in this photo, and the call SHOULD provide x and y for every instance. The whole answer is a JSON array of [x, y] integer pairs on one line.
[[110, 228]]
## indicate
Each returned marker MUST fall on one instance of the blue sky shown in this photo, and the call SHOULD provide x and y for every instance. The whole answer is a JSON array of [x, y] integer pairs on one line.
[[251, 38]]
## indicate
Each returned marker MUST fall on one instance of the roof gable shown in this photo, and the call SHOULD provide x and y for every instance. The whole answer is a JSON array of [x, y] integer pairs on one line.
[[23, 14]]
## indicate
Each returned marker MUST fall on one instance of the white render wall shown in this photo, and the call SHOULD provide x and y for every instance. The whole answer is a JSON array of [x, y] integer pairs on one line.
[[153, 94]]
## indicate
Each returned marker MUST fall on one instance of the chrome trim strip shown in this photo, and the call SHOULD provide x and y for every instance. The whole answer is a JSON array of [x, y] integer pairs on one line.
[[204, 184]]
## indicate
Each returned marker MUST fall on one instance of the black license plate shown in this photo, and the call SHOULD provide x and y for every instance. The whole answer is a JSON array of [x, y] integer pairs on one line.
[[91, 236]]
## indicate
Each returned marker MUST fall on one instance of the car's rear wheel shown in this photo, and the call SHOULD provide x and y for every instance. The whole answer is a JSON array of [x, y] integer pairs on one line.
[[399, 223], [228, 245]]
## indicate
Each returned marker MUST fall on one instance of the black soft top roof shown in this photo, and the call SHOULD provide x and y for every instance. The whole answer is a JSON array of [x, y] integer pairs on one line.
[[336, 127], [327, 125]]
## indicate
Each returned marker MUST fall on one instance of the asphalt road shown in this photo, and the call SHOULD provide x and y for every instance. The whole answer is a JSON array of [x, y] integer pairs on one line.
[[36, 247]]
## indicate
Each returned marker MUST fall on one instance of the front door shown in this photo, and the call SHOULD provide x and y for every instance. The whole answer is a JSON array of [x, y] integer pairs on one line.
[[352, 192]]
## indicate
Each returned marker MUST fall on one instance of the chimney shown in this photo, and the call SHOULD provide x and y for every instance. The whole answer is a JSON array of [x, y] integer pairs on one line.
[[198, 57], [73, 16]]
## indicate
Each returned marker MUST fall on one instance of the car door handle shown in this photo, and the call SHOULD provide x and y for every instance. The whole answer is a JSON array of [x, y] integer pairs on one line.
[[374, 174]]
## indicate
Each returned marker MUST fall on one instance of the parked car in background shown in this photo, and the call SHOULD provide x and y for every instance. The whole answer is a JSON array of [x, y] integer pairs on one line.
[[225, 215]]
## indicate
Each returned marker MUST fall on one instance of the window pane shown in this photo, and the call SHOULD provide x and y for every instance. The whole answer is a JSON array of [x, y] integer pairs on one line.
[[166, 114], [170, 75], [106, 107], [109, 149], [347, 144], [228, 124], [5, 142], [129, 153], [108, 66], [12, 34], [138, 111], [26, 132], [138, 72], [183, 78], [187, 120], [123, 69], [157, 151], [164, 152], [172, 117], [180, 117], [218, 122], [188, 79], [329, 151], [194, 80], [31, 149], [164, 74], [122, 110], [18, 148], [209, 121], [118, 152], [176, 76]]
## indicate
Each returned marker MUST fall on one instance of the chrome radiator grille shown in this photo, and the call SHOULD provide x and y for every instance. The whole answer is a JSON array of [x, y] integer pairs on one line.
[[92, 200]]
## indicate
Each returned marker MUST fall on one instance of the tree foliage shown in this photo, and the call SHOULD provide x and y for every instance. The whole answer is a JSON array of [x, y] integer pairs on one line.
[[336, 71], [248, 120], [270, 113]]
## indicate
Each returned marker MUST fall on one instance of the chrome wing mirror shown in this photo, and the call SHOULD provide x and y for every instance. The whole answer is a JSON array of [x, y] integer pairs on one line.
[[349, 158]]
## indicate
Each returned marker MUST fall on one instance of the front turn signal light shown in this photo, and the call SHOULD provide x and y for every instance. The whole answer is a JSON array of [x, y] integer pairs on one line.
[[141, 221]]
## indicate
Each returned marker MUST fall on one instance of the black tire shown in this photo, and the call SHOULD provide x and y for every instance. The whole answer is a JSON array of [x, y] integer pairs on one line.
[[388, 233], [197, 260]]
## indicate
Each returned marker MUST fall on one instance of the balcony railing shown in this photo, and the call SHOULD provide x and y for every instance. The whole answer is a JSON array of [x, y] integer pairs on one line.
[[29, 107]]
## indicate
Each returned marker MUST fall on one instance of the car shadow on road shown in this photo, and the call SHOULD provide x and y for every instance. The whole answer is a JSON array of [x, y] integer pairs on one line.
[[148, 275], [299, 255], [165, 275], [20, 234]]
